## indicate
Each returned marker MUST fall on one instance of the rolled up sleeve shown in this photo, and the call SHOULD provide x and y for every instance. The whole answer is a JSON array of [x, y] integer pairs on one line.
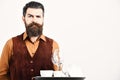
[[4, 60]]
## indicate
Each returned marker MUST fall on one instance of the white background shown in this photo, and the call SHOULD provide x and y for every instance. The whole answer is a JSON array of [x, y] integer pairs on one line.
[[88, 32]]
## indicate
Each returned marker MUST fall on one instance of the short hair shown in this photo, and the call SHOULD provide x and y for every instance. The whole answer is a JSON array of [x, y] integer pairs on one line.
[[32, 4]]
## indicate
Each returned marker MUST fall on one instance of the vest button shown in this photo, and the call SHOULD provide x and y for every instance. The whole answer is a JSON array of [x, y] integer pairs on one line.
[[31, 61], [31, 70]]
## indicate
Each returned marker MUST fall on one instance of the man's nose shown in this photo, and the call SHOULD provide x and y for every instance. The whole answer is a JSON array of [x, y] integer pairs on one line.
[[34, 19]]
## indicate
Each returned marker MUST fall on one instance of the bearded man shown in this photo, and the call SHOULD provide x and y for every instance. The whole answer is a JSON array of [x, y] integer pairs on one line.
[[25, 55]]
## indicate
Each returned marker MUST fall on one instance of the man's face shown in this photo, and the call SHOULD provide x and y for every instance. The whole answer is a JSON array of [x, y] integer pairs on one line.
[[34, 22]]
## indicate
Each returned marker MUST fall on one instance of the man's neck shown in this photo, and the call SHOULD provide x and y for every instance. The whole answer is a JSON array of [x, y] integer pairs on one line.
[[33, 39]]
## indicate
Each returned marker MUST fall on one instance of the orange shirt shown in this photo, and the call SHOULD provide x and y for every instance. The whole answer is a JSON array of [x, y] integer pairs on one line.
[[8, 52]]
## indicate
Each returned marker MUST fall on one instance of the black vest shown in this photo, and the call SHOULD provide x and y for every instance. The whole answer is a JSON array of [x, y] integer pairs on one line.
[[23, 66]]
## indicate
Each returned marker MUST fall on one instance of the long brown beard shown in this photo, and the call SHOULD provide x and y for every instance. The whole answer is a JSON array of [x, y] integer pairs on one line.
[[34, 29]]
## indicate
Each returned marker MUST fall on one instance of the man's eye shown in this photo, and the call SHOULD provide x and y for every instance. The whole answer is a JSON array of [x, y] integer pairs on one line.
[[38, 16], [30, 16]]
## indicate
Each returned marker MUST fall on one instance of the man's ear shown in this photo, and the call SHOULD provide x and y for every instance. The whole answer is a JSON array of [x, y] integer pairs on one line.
[[23, 18]]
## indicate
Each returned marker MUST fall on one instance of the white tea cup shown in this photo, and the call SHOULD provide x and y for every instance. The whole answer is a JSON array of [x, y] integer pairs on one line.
[[58, 73], [46, 73]]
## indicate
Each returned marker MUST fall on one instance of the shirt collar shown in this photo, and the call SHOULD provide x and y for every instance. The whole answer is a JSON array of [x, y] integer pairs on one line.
[[41, 37]]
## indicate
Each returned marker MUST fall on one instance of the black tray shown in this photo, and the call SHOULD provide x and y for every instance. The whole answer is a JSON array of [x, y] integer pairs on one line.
[[58, 78]]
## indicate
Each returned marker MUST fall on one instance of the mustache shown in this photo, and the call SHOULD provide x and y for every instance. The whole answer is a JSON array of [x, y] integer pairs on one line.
[[33, 24]]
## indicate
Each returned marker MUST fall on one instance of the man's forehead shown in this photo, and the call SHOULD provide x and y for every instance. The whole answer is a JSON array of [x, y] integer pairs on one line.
[[34, 11]]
